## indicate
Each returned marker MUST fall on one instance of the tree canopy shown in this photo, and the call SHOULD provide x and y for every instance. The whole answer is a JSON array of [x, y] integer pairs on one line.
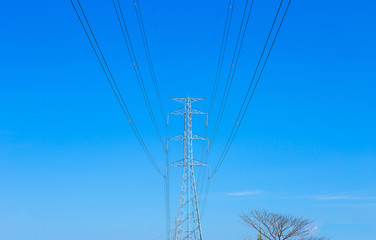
[[275, 226]]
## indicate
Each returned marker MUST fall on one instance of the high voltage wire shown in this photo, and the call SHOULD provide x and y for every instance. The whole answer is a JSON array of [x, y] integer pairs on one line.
[[250, 93], [132, 55], [156, 89], [231, 73], [167, 192], [111, 80], [238, 47], [239, 42], [148, 55], [203, 204], [220, 60], [222, 51], [245, 102]]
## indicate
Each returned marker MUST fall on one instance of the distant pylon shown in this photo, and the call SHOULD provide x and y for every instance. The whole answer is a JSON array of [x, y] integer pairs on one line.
[[188, 225]]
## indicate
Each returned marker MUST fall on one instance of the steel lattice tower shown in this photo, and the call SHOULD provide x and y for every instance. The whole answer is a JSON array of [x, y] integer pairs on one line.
[[188, 225]]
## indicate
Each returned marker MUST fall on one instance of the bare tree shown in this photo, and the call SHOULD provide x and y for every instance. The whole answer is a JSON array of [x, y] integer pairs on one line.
[[274, 226]]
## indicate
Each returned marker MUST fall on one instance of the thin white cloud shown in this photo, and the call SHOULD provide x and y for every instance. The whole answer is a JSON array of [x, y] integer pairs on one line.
[[352, 204], [245, 193], [333, 197]]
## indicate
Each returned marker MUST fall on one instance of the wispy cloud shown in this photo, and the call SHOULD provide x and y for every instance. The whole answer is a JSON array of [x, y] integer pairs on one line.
[[333, 197], [352, 204], [245, 193]]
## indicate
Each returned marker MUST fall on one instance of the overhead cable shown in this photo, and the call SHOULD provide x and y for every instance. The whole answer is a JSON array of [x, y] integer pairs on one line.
[[111, 80], [148, 56], [238, 47], [251, 88], [222, 51], [132, 55], [231, 74]]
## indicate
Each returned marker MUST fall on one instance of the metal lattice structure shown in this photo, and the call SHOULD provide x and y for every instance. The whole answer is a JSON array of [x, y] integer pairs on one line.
[[188, 225]]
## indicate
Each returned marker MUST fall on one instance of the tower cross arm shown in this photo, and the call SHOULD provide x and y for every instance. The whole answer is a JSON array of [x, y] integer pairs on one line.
[[180, 111], [182, 163], [197, 112], [183, 111], [185, 99], [180, 137], [198, 137]]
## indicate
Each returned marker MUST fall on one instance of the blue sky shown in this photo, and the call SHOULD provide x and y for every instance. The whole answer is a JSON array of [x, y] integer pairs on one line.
[[71, 168]]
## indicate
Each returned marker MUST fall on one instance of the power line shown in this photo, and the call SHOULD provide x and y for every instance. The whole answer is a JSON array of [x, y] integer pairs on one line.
[[231, 73], [132, 55], [222, 51], [203, 204], [237, 124], [111, 80], [248, 97], [156, 89], [167, 191], [148, 55]]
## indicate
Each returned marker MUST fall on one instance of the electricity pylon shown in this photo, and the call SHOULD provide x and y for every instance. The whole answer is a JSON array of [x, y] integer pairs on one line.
[[188, 225]]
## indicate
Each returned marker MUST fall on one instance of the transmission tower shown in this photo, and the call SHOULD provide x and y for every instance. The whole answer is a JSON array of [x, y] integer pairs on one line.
[[188, 225]]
